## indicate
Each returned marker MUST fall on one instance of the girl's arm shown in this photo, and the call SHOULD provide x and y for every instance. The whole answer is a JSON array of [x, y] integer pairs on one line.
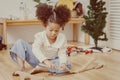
[[36, 48], [62, 51]]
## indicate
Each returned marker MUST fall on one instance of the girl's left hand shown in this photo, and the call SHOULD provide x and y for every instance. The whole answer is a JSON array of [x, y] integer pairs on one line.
[[63, 67]]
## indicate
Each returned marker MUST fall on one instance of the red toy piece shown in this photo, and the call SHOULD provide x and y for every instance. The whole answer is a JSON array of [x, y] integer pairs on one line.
[[88, 51], [71, 49]]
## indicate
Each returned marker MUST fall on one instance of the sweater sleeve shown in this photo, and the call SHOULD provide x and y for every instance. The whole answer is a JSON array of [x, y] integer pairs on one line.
[[36, 47], [62, 51]]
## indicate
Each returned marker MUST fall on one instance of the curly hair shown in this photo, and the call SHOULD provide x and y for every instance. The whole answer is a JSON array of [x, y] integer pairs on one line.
[[58, 14]]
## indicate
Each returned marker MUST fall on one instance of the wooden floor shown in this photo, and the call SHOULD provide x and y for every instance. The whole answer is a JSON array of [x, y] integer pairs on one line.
[[110, 71]]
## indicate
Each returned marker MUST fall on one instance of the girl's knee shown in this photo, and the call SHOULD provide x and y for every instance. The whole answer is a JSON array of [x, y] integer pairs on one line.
[[20, 41]]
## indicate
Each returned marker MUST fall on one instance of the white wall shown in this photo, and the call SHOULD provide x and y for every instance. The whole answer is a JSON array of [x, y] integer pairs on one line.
[[84, 5], [11, 7]]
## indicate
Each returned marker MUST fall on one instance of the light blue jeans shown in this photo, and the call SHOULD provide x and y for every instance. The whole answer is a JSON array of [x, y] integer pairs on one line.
[[24, 51]]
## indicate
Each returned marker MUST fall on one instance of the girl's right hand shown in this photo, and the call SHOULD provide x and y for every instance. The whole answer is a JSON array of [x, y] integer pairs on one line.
[[50, 64]]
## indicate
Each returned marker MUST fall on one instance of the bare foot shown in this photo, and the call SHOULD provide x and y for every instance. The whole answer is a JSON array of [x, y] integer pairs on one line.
[[16, 73], [37, 69]]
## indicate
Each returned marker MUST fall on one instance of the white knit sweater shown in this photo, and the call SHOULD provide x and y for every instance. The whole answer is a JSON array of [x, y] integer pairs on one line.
[[44, 50]]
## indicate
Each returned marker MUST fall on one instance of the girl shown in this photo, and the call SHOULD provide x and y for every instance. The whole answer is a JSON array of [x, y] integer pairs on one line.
[[49, 46]]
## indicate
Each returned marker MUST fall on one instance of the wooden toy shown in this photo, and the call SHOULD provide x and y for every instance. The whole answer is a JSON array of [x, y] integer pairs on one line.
[[28, 76]]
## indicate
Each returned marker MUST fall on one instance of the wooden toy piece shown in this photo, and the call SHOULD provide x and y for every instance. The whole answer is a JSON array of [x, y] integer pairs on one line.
[[27, 79], [28, 76], [85, 67], [83, 70]]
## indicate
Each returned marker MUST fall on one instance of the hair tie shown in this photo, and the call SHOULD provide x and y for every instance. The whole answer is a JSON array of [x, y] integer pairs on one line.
[[54, 13]]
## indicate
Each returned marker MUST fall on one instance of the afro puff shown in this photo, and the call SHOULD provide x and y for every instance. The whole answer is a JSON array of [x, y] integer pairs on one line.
[[43, 12], [46, 13]]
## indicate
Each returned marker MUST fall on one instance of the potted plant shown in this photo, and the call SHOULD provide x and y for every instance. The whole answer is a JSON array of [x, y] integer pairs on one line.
[[95, 22]]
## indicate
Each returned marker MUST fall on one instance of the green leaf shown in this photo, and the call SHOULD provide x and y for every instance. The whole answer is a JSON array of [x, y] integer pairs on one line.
[[38, 1]]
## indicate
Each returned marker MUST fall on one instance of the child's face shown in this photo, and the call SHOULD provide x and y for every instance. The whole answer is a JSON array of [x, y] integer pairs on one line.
[[52, 30]]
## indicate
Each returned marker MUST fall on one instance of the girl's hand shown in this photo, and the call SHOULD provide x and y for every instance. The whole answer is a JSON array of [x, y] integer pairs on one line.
[[63, 67], [50, 64]]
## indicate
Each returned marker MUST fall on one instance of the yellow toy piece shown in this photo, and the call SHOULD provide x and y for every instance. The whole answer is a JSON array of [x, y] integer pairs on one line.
[[68, 3]]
